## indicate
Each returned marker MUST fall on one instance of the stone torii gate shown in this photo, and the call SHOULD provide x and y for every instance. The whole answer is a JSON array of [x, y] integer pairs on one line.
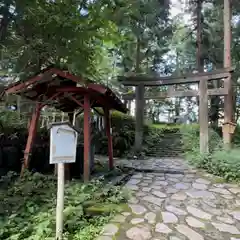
[[142, 81]]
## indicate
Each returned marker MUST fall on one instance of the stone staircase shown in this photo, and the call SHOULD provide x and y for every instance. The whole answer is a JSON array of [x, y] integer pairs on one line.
[[169, 146]]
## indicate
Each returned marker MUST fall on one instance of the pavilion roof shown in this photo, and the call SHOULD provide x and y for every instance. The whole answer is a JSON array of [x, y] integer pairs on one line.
[[60, 89]]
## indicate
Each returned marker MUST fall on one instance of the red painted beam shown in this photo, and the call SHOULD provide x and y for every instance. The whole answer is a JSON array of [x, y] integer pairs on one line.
[[76, 101], [81, 90], [90, 92], [87, 137], [50, 98], [18, 86], [109, 136], [31, 136]]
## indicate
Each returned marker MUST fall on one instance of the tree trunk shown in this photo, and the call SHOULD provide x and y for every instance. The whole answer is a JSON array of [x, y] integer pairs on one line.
[[6, 16], [177, 107]]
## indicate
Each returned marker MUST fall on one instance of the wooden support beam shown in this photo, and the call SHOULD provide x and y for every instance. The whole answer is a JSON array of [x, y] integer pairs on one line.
[[87, 138], [140, 103], [98, 112], [75, 100], [31, 136], [48, 101], [79, 112], [170, 94], [159, 81], [109, 136]]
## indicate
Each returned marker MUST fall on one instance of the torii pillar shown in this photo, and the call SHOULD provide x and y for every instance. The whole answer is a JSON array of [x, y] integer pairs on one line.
[[140, 103]]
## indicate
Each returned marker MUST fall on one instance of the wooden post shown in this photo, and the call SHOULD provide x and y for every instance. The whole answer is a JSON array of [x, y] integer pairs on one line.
[[228, 99], [139, 118], [109, 136], [60, 202], [203, 96], [203, 116], [87, 137], [31, 136]]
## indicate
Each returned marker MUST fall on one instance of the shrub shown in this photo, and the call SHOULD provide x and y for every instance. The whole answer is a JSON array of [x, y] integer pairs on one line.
[[190, 138], [123, 127], [167, 128], [236, 136], [123, 132], [219, 161], [225, 163], [27, 207], [9, 119]]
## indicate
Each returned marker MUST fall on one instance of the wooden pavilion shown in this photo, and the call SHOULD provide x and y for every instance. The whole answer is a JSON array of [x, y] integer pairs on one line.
[[66, 92]]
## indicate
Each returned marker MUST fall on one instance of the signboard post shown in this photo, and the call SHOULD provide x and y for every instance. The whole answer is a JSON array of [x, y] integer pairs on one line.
[[63, 143]]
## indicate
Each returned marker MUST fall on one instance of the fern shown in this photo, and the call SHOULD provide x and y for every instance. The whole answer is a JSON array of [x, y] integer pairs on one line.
[[28, 208]]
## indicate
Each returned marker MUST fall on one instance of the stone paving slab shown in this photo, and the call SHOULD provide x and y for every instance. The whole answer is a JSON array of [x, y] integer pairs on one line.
[[187, 206]]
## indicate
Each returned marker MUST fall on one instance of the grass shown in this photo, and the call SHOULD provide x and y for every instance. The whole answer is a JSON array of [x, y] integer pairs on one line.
[[166, 126], [219, 161], [27, 207]]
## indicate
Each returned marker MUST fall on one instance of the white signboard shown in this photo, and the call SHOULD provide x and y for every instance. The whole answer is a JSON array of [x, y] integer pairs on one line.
[[63, 144]]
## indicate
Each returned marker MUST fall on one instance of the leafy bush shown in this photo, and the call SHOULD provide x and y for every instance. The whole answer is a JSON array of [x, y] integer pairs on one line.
[[123, 132], [123, 127], [236, 136], [152, 138], [225, 163], [190, 138], [219, 161], [27, 208], [168, 128], [9, 119]]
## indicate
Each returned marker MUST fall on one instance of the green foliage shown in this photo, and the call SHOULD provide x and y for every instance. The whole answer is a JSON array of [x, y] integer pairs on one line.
[[167, 127], [143, 25], [10, 119], [89, 38], [219, 161], [190, 138], [123, 134], [236, 136], [226, 164], [27, 207], [72, 34]]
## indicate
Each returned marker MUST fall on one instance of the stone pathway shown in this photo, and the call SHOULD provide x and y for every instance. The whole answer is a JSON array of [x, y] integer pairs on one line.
[[187, 205]]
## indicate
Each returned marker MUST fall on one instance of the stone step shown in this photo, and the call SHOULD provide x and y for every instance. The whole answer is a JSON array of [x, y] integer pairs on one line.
[[168, 146]]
